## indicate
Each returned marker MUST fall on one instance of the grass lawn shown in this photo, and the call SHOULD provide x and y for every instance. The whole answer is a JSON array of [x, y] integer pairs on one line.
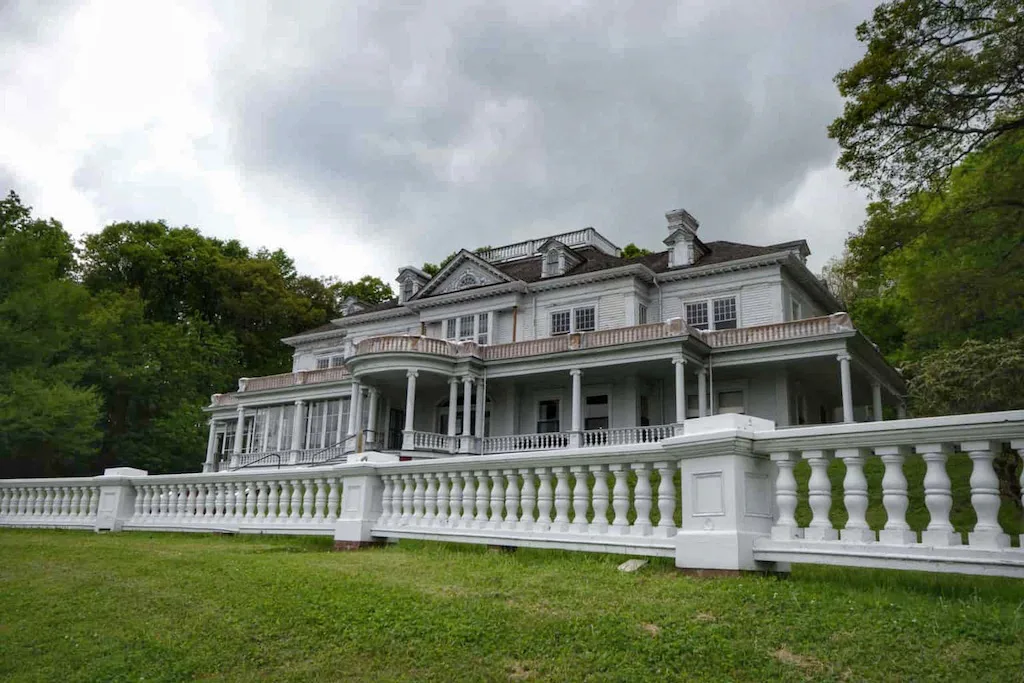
[[77, 606]]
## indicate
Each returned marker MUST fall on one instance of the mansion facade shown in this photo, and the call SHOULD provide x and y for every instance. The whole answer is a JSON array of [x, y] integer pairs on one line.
[[561, 343]]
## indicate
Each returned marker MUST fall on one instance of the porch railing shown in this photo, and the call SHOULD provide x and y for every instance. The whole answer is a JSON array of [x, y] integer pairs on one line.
[[431, 441], [525, 442], [623, 436], [794, 329], [49, 502]]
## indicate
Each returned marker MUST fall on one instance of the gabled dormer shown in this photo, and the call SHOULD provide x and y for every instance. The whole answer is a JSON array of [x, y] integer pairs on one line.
[[556, 258], [410, 280], [466, 271], [684, 249]]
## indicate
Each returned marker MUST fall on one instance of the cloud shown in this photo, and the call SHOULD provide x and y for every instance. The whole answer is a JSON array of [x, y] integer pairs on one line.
[[362, 136]]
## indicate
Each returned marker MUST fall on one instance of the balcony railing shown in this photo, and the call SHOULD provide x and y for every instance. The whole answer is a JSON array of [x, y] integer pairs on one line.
[[513, 443], [625, 436], [438, 443], [579, 341], [794, 329], [576, 238]]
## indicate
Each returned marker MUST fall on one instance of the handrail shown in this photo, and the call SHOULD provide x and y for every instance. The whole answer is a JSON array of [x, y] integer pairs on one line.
[[278, 454]]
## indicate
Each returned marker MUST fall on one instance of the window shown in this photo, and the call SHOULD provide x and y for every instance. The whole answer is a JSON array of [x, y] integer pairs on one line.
[[595, 415], [482, 335], [551, 263], [466, 327], [337, 361], [641, 314], [451, 328], [731, 402], [560, 322], [794, 309], [725, 313], [323, 363], [547, 417], [406, 290], [582, 319], [644, 409], [697, 315]]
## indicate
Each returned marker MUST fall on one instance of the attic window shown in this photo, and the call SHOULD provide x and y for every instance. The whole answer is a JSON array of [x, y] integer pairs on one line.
[[552, 263], [406, 290], [467, 280]]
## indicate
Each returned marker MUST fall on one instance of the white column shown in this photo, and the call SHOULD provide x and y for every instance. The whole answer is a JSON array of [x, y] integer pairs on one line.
[[481, 400], [453, 403], [577, 407], [211, 445], [467, 403], [239, 437], [680, 367], [876, 401], [353, 413], [702, 392], [410, 408], [847, 387], [371, 415], [298, 429]]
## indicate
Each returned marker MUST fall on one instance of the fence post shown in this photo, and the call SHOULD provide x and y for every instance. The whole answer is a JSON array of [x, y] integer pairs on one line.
[[117, 497], [361, 507], [727, 495]]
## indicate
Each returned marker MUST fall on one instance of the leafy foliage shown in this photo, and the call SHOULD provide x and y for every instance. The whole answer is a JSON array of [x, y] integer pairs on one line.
[[633, 251], [940, 79], [369, 290], [973, 377]]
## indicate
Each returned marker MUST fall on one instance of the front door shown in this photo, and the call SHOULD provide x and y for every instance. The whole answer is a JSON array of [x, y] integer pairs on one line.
[[395, 425]]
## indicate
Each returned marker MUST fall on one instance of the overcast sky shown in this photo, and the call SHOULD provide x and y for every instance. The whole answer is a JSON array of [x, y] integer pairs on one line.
[[361, 136]]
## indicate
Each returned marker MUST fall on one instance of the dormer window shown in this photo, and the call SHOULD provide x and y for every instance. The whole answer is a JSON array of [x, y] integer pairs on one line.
[[552, 263], [406, 290]]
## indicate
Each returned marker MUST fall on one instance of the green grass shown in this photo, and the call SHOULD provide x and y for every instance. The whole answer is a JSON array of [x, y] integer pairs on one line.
[[134, 606]]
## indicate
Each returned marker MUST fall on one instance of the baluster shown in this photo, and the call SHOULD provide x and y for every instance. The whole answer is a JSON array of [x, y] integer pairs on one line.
[[666, 499], [430, 500], [385, 499], [74, 494], [5, 502], [40, 506], [407, 499], [190, 502], [511, 500], [154, 504], [855, 496], [497, 499], [218, 502], [529, 500], [320, 500], [83, 510], [49, 497], [228, 502], [599, 525], [620, 499], [396, 499], [985, 496], [142, 499], [561, 498], [200, 500], [211, 502], [296, 503], [25, 499], [894, 497], [443, 494], [180, 501], [468, 500], [785, 527], [251, 494], [642, 499], [418, 495], [819, 497], [333, 498], [174, 501], [580, 499], [63, 509], [455, 501], [273, 502], [31, 494], [261, 492], [17, 501], [482, 498], [307, 500], [1018, 446], [938, 496], [545, 499], [94, 501]]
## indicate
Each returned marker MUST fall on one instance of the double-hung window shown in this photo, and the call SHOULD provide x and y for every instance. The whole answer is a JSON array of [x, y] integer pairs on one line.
[[579, 319], [469, 328], [722, 314], [547, 417], [323, 363], [641, 314], [337, 361]]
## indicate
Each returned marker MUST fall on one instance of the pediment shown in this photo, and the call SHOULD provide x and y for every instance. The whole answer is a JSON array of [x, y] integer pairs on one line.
[[465, 271]]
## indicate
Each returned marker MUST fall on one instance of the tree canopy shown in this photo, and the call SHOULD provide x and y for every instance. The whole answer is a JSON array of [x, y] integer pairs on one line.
[[940, 79]]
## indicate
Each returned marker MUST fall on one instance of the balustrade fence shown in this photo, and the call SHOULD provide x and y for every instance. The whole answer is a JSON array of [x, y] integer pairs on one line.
[[724, 495]]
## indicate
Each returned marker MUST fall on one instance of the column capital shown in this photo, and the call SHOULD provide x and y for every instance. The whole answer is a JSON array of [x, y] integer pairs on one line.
[[412, 373], [575, 372], [468, 379], [679, 361], [453, 380], [843, 355], [300, 402], [702, 370], [240, 410]]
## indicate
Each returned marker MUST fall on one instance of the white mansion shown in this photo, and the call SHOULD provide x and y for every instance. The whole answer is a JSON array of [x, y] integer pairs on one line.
[[558, 343]]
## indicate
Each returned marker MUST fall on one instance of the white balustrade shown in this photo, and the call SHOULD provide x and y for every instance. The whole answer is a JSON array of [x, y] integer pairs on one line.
[[57, 503]]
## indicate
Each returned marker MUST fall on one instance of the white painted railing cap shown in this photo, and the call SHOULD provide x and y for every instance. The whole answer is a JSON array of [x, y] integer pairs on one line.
[[124, 472], [373, 456], [719, 426]]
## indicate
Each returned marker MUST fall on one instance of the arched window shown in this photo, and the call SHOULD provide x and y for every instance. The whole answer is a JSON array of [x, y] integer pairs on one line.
[[467, 280]]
